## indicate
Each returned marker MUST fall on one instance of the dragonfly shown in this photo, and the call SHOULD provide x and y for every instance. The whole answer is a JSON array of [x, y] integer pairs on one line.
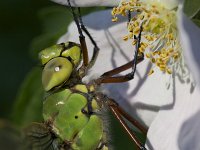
[[73, 111]]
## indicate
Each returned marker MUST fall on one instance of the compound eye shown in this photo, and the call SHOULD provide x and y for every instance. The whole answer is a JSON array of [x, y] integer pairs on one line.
[[56, 71]]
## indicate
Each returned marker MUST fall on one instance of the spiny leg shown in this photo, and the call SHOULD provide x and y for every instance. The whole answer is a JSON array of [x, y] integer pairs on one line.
[[133, 121], [136, 52], [129, 16], [122, 68], [96, 48], [81, 38], [117, 113], [107, 77], [129, 64]]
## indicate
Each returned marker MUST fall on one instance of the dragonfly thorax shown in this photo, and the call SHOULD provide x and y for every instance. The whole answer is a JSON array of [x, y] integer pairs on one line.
[[68, 112]]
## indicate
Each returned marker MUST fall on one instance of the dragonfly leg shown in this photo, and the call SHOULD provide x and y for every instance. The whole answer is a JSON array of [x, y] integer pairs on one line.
[[129, 16], [81, 37], [81, 27], [131, 119], [107, 77], [96, 48], [119, 116], [122, 68]]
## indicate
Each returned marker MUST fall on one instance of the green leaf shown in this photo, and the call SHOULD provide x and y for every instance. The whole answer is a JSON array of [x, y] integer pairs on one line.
[[41, 42], [54, 21], [28, 104], [119, 138], [197, 16], [197, 22], [191, 7]]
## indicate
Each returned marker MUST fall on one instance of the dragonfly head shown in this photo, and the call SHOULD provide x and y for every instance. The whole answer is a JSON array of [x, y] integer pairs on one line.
[[59, 61]]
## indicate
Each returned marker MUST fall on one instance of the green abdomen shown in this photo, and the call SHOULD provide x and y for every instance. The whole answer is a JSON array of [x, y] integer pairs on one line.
[[65, 110]]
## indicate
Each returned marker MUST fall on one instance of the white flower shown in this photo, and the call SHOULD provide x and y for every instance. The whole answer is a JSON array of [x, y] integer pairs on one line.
[[86, 3], [178, 128], [161, 43], [172, 113]]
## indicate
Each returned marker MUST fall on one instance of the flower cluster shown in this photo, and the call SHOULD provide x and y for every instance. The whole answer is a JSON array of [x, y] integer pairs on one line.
[[161, 44]]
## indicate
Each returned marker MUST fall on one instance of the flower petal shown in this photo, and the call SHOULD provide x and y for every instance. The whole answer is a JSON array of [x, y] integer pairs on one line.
[[178, 126], [189, 36], [88, 3], [169, 4], [141, 97]]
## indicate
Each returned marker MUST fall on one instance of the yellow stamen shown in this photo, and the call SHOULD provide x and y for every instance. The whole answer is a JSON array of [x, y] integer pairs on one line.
[[125, 38], [151, 72], [159, 31]]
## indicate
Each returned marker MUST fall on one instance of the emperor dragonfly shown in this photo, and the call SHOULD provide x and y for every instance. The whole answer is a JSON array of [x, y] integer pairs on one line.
[[72, 110]]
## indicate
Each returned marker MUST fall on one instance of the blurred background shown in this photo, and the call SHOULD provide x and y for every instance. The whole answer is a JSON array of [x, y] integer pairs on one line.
[[26, 27], [19, 25]]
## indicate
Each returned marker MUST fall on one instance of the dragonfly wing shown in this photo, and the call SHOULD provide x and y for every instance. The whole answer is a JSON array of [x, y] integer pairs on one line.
[[38, 137]]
